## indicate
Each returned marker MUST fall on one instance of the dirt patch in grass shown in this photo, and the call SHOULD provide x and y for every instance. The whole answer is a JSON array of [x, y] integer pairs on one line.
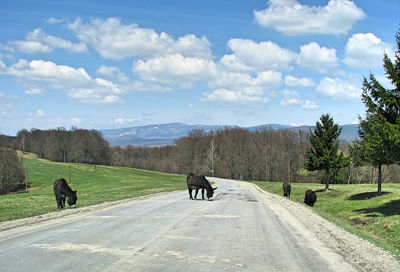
[[362, 222]]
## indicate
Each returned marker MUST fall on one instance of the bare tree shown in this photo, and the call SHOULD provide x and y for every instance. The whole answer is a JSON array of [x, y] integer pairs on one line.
[[11, 173], [210, 163]]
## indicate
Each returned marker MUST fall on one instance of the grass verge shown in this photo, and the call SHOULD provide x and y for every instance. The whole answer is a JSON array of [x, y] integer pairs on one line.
[[356, 208], [95, 184]]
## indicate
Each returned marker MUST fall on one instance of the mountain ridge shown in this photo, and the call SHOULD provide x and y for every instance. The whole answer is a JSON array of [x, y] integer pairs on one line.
[[165, 134]]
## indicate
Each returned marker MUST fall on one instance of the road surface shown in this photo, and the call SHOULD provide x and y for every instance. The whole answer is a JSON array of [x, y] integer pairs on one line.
[[240, 230]]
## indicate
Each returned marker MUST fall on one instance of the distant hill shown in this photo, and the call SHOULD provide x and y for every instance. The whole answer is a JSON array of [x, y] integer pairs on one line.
[[165, 134]]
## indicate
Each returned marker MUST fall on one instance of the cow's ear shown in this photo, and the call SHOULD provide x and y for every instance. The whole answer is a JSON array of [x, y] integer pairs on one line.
[[76, 191], [215, 188]]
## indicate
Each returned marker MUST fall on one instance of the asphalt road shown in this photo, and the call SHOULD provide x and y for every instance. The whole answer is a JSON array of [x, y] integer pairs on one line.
[[237, 231]]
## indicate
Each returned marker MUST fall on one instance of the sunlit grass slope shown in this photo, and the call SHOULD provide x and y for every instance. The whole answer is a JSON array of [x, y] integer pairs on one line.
[[95, 184]]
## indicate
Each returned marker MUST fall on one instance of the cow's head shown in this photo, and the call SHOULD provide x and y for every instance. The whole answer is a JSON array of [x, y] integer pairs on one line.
[[72, 199], [210, 193]]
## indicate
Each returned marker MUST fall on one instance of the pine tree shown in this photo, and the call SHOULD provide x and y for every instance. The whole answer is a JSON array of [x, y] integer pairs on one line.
[[380, 130], [324, 151]]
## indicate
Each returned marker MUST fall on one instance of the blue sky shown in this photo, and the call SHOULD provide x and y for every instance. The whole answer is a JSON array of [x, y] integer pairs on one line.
[[111, 64]]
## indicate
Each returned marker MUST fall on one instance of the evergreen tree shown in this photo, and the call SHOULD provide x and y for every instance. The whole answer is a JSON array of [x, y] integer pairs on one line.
[[324, 151], [380, 130]]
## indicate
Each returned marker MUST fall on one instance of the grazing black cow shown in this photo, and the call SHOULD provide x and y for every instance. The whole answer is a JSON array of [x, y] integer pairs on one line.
[[199, 182], [286, 189], [62, 190], [310, 198]]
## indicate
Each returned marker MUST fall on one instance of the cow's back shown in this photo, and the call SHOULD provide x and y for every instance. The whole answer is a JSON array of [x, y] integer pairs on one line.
[[196, 182], [61, 187]]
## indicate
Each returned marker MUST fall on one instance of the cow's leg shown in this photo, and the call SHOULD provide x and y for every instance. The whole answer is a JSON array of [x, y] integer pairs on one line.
[[202, 193], [58, 202], [195, 195], [190, 193], [63, 203]]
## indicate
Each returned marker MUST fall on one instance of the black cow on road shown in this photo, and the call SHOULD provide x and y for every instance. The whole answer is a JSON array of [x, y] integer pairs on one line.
[[61, 191], [199, 182]]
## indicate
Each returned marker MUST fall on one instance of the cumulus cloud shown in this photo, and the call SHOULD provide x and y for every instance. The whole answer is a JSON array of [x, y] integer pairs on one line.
[[300, 82], [293, 99], [338, 89], [37, 41], [115, 40], [249, 56], [243, 88], [77, 82], [316, 57], [99, 91], [47, 71], [233, 96], [175, 69], [268, 79], [291, 17], [365, 50]]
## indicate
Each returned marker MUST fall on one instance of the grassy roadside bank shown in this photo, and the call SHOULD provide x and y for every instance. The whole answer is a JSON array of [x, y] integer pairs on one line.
[[95, 184], [355, 208]]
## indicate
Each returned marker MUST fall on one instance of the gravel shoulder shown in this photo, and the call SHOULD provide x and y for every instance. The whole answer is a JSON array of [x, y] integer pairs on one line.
[[365, 255]]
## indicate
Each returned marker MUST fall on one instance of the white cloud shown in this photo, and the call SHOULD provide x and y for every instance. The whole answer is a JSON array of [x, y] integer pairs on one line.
[[249, 56], [3, 67], [40, 113], [75, 120], [291, 17], [365, 50], [99, 91], [301, 82], [37, 41], [268, 79], [316, 57], [53, 20], [243, 88], [339, 89], [175, 69], [35, 91], [296, 124], [115, 40], [112, 73], [31, 47], [293, 99], [233, 96], [47, 71], [78, 84], [123, 121]]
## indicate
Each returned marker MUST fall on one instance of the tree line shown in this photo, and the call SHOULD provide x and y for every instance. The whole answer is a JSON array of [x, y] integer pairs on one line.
[[61, 145], [236, 153]]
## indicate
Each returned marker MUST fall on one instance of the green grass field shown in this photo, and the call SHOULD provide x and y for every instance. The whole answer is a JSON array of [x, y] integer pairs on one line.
[[356, 208], [95, 184]]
